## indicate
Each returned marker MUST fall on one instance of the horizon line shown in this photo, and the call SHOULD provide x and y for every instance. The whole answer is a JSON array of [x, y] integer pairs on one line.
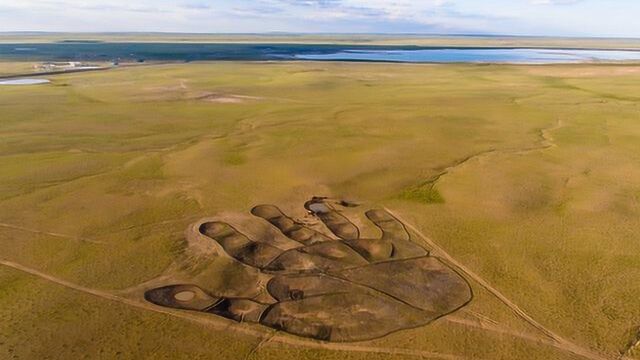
[[285, 33]]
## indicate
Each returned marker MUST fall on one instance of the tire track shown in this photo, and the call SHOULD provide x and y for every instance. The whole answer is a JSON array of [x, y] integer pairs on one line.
[[631, 349], [63, 236], [502, 331], [286, 340], [219, 325], [560, 341]]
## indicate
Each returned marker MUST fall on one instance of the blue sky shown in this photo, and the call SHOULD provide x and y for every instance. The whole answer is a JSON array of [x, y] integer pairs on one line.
[[516, 17]]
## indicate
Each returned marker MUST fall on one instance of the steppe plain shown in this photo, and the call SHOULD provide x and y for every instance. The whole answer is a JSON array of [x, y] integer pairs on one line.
[[523, 178]]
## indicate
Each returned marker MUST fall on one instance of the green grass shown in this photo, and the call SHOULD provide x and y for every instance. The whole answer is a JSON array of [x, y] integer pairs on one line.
[[424, 193], [129, 157]]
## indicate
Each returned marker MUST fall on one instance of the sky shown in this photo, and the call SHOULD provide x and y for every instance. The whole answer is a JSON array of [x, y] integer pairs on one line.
[[604, 18]]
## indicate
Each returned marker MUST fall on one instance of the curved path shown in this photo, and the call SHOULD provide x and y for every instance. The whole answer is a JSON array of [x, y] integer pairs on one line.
[[235, 327], [36, 231], [275, 337], [562, 343]]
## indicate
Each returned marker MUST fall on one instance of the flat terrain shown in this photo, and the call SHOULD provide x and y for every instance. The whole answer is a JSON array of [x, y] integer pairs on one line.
[[8, 68], [351, 39], [524, 179]]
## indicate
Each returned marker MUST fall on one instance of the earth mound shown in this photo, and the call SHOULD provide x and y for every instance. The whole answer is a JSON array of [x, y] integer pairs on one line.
[[338, 287]]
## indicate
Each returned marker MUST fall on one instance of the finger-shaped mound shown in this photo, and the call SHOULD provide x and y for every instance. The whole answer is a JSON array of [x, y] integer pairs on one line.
[[239, 246], [395, 232], [391, 228], [335, 221], [346, 289], [289, 227]]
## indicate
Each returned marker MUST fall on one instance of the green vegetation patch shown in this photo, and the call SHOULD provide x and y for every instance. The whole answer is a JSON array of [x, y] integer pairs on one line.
[[425, 193]]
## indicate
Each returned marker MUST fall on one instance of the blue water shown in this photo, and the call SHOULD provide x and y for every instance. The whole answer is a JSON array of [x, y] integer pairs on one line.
[[24, 82], [116, 52], [524, 56]]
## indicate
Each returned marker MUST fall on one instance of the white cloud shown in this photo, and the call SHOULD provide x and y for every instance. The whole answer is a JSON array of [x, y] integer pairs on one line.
[[554, 2], [535, 17]]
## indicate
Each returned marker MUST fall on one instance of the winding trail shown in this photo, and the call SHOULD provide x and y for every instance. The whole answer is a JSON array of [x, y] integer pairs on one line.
[[483, 325], [550, 339], [275, 337], [220, 325], [63, 236], [630, 350], [560, 341]]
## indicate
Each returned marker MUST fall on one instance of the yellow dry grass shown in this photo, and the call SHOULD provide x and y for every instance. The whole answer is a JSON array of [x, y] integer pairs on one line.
[[526, 175]]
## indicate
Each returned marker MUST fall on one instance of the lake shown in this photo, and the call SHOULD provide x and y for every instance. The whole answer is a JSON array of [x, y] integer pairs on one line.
[[97, 51], [528, 56], [24, 82]]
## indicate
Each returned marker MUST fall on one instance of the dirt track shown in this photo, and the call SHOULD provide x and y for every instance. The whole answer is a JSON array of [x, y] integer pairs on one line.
[[561, 342], [36, 231], [223, 325], [548, 337]]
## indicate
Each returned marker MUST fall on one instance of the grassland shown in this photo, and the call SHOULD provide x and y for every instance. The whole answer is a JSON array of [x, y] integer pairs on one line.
[[345, 39], [526, 175], [16, 67]]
